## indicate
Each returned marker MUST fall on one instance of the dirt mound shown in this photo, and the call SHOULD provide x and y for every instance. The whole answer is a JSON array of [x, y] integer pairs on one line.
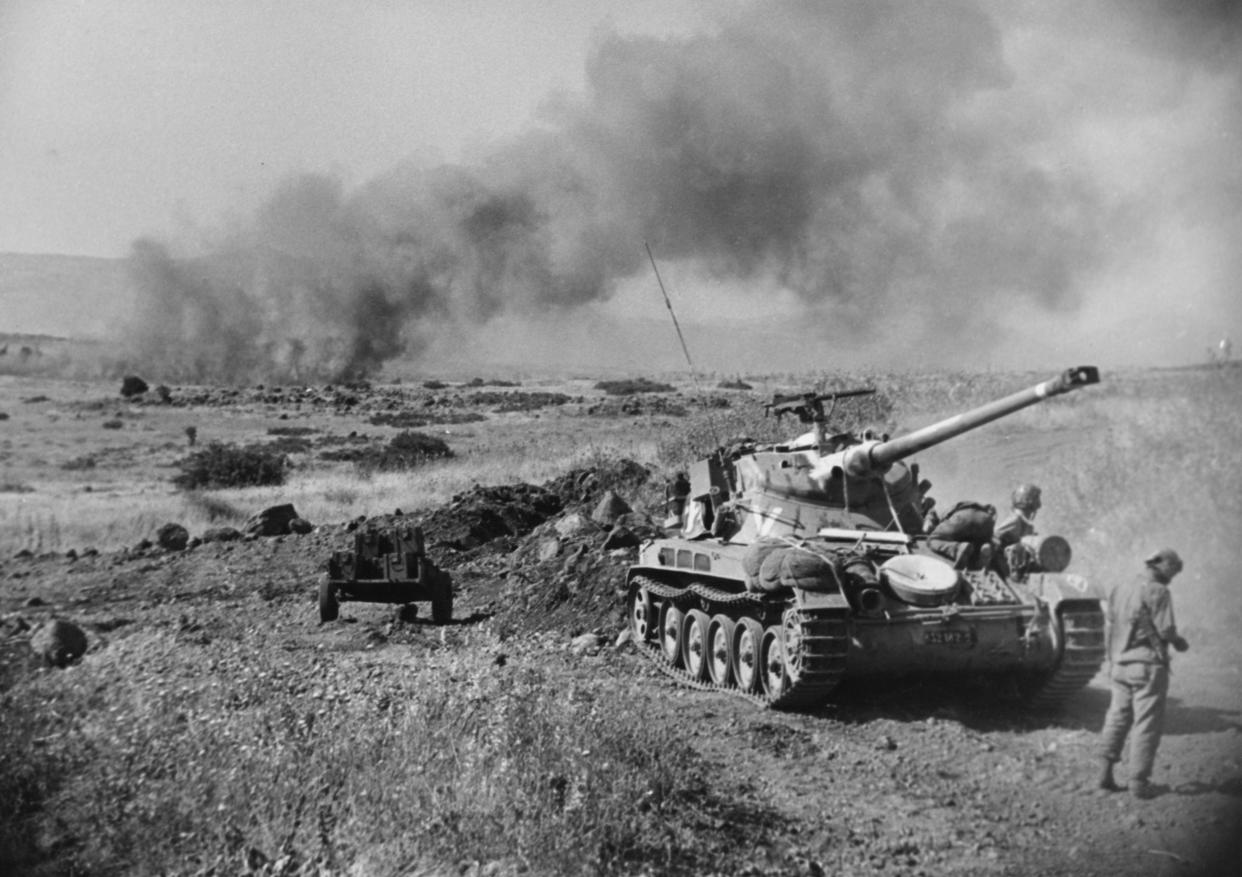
[[581, 488], [564, 575], [557, 572], [484, 514], [564, 581]]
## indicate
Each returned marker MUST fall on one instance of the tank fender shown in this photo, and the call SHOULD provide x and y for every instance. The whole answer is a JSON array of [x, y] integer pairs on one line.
[[1059, 587], [820, 599]]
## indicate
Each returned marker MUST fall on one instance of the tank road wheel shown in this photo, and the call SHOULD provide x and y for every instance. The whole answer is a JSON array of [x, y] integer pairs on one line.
[[671, 619], [791, 640], [747, 644], [329, 606], [772, 663], [442, 601], [694, 644], [719, 649], [642, 614]]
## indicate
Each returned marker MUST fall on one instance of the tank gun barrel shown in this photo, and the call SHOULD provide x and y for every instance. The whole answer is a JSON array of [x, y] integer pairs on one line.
[[868, 457]]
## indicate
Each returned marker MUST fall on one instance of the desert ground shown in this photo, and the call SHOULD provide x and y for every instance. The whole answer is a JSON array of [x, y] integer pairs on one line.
[[215, 726]]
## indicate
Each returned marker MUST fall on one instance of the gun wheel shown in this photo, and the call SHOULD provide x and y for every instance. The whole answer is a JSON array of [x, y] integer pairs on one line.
[[329, 606], [442, 601]]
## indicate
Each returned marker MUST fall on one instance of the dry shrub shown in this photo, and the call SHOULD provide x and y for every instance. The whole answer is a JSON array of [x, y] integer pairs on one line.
[[224, 465], [406, 450], [410, 419], [636, 385]]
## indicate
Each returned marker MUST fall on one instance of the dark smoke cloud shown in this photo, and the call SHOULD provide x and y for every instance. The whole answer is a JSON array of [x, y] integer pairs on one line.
[[864, 156]]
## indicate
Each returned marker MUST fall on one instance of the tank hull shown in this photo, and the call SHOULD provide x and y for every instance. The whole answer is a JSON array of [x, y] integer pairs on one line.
[[694, 610]]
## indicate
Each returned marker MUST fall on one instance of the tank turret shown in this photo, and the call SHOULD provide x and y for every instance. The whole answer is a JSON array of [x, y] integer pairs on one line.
[[876, 456], [800, 562], [831, 479]]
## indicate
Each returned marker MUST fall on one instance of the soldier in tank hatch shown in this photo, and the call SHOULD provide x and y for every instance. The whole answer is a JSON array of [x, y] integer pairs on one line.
[[1021, 521], [1026, 501], [1141, 629]]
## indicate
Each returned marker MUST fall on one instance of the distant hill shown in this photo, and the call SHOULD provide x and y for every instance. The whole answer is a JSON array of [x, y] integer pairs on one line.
[[67, 296]]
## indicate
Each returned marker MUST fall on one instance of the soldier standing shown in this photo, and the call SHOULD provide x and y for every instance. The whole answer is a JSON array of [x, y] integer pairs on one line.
[[1141, 629]]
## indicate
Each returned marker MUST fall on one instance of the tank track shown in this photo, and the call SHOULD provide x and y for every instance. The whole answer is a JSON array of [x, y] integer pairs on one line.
[[823, 636], [1082, 653]]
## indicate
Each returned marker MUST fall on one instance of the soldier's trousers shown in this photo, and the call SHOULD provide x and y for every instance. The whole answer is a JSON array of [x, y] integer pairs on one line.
[[1139, 692]]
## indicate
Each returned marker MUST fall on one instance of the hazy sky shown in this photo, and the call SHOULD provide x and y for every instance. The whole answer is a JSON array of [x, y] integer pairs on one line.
[[133, 117], [1059, 177]]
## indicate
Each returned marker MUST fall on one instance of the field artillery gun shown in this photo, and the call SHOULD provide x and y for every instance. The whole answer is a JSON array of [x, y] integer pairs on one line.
[[386, 566], [804, 562]]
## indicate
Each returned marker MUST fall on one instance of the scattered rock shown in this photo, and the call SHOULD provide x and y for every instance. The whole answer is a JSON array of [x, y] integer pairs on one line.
[[34, 602], [301, 526], [641, 525], [572, 524], [572, 559], [587, 644], [221, 534], [549, 549], [23, 554], [483, 514], [609, 508], [58, 642], [272, 521], [620, 537], [406, 613], [13, 624], [172, 537], [132, 385], [624, 638]]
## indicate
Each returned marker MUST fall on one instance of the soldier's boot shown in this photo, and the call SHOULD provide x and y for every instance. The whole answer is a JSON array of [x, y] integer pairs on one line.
[[1106, 781]]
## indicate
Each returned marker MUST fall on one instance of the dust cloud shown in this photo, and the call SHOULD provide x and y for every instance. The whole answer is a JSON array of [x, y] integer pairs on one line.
[[885, 170]]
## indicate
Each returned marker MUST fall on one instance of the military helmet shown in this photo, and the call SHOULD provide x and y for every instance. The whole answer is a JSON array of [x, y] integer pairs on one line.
[[1166, 557], [1026, 497]]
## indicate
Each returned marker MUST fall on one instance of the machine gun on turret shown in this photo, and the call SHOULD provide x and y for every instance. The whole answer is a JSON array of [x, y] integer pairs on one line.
[[809, 408]]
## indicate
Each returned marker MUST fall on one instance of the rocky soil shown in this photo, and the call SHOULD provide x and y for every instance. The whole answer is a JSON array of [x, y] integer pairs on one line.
[[910, 778]]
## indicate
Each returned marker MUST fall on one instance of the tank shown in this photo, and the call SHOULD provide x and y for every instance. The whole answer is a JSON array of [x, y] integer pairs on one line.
[[795, 565]]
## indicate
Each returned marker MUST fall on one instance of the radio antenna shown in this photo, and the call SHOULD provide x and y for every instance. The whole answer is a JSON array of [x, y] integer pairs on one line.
[[668, 304]]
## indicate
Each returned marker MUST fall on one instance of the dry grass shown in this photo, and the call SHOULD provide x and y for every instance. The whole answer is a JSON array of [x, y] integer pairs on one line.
[[168, 753], [158, 756]]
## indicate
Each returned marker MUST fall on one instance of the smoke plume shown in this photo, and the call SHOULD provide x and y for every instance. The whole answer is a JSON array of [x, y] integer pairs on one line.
[[869, 159]]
